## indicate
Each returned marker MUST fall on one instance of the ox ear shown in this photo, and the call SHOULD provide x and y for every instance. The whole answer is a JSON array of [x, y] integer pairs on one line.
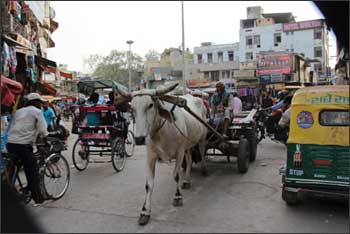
[[163, 112]]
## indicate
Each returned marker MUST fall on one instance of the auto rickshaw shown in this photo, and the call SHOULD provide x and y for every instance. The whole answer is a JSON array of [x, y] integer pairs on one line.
[[318, 152]]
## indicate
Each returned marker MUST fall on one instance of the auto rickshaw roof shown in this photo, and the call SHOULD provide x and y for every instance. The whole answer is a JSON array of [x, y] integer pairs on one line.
[[322, 95], [89, 86]]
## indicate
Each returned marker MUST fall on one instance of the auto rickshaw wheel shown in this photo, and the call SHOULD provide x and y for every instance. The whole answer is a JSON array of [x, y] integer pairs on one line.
[[291, 198], [243, 155]]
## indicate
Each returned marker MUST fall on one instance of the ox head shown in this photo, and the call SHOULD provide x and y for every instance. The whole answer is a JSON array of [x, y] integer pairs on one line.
[[146, 108]]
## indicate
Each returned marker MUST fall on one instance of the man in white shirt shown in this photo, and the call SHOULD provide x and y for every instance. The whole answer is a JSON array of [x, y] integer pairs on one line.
[[27, 122], [237, 103]]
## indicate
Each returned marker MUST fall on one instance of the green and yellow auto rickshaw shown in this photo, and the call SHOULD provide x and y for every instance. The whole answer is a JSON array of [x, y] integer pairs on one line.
[[318, 152]]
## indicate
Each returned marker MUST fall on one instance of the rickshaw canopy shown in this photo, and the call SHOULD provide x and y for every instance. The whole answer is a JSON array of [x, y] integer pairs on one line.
[[320, 115], [89, 86]]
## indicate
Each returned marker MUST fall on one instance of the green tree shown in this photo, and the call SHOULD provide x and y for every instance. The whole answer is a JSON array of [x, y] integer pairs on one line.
[[114, 66], [152, 55]]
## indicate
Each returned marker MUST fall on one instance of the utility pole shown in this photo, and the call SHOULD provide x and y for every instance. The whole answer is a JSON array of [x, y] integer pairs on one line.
[[183, 50], [129, 42]]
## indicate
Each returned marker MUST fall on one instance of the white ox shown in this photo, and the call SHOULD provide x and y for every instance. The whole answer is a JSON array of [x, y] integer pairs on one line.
[[169, 133]]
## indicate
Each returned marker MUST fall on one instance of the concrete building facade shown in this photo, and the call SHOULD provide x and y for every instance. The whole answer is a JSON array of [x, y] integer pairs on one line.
[[215, 62], [280, 32]]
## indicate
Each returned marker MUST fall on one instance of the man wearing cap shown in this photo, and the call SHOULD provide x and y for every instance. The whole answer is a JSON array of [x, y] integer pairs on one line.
[[28, 121], [221, 107]]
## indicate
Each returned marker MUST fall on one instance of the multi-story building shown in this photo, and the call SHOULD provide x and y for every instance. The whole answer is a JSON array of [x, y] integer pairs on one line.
[[280, 32], [216, 62], [26, 28]]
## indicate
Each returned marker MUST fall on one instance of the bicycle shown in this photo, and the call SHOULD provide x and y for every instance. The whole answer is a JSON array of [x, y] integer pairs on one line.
[[52, 165]]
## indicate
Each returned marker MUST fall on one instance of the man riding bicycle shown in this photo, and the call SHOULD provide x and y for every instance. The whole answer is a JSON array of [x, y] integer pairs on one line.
[[28, 121]]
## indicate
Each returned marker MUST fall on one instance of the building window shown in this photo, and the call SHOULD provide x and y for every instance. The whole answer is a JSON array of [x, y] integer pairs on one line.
[[318, 52], [277, 38], [249, 41], [210, 58], [291, 33], [199, 58], [287, 33], [220, 57], [292, 50], [318, 33], [256, 39], [230, 56], [249, 56], [206, 75]]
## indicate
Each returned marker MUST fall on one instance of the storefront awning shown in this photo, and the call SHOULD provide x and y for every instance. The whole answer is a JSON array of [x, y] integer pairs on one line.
[[45, 62], [46, 89], [54, 70]]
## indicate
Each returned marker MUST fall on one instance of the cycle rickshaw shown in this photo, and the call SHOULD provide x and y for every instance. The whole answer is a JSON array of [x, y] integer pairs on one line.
[[109, 136]]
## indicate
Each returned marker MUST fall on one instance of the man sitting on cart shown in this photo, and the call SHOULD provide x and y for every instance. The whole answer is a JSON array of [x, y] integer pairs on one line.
[[221, 107]]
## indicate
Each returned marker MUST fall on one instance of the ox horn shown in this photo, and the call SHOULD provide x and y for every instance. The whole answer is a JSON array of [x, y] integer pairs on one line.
[[166, 89]]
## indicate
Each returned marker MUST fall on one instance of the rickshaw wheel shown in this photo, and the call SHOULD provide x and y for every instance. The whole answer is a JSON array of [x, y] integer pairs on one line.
[[243, 155], [129, 144], [291, 198], [80, 157], [253, 144], [118, 154]]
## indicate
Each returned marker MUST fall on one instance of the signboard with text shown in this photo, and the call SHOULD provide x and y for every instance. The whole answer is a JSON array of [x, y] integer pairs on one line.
[[272, 64], [302, 25]]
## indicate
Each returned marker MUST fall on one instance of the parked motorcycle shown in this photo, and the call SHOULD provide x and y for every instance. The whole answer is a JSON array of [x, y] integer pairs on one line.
[[267, 125]]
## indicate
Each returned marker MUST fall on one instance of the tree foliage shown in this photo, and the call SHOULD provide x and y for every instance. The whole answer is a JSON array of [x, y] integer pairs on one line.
[[152, 55], [114, 66]]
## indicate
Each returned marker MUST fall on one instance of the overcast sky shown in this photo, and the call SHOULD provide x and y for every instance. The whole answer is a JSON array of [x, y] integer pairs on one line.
[[98, 27]]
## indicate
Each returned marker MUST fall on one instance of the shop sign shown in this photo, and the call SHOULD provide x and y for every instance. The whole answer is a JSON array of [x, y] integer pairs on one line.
[[272, 63], [302, 25], [265, 79], [198, 83], [276, 78]]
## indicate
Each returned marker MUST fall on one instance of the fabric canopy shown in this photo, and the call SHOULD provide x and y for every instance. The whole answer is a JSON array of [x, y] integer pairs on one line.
[[13, 86], [88, 87]]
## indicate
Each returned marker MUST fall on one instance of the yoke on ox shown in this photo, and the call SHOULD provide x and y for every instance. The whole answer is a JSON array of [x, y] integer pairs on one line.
[[170, 132]]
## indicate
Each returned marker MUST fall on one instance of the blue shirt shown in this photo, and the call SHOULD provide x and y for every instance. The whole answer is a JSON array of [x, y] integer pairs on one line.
[[48, 115]]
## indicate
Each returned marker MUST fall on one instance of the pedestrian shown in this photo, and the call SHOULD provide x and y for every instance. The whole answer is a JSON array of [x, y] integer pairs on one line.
[[49, 116], [237, 103]]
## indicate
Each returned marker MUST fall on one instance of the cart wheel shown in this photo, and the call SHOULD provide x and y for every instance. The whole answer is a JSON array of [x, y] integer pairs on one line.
[[118, 154], [253, 144], [291, 198], [80, 155], [129, 144], [243, 155]]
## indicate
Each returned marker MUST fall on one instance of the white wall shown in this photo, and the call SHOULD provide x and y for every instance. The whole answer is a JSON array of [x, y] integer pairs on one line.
[[214, 49]]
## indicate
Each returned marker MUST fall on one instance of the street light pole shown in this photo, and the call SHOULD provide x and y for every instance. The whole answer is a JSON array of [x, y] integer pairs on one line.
[[183, 50], [129, 42]]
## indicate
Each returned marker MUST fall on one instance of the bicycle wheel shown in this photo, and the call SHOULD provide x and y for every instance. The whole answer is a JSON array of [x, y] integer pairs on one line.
[[118, 154], [55, 176], [129, 144], [80, 155]]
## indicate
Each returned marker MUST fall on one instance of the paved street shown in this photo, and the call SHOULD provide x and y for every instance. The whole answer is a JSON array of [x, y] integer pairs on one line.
[[100, 200]]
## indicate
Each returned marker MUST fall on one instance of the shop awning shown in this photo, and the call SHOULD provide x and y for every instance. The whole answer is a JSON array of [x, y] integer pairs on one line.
[[45, 62], [19, 44], [53, 25], [54, 70], [46, 89]]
